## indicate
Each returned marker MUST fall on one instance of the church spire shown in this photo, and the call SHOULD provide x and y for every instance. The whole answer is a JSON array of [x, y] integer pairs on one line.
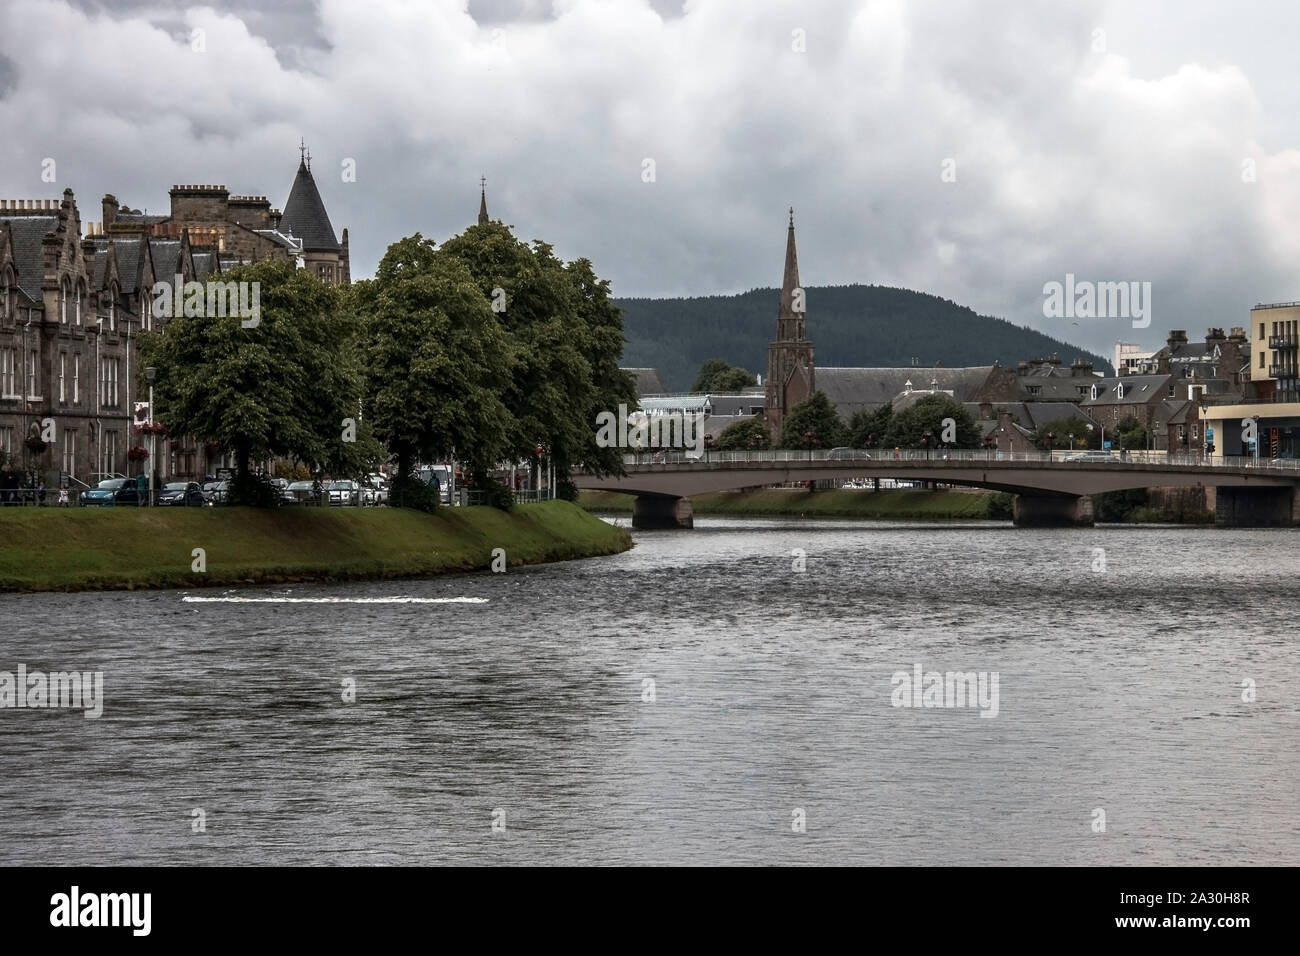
[[482, 201], [790, 315]]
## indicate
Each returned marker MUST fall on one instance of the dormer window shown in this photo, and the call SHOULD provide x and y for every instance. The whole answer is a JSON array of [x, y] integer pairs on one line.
[[1093, 393]]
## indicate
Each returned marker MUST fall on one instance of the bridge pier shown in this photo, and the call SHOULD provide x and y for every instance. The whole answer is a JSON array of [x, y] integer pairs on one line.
[[1052, 511], [653, 512], [1256, 507]]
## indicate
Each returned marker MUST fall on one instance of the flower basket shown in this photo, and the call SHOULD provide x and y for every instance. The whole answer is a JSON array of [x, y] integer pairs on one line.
[[148, 428], [35, 444], [212, 447], [137, 453]]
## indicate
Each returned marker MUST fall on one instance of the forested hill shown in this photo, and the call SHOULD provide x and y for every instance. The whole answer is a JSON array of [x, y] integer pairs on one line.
[[855, 325]]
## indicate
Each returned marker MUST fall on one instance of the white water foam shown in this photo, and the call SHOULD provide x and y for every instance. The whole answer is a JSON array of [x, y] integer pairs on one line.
[[191, 599]]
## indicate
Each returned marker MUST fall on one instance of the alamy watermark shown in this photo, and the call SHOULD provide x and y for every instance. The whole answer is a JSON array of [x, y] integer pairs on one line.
[[214, 300], [1085, 299], [946, 689], [639, 430], [61, 689]]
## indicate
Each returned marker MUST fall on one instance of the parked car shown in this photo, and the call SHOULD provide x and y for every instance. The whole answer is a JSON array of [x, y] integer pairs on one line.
[[850, 454], [112, 491], [182, 493], [344, 492], [375, 487], [301, 493], [215, 492], [282, 492], [1091, 456]]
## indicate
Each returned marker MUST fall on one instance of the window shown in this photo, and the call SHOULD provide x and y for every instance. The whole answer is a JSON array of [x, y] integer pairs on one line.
[[32, 391], [1261, 354], [108, 378], [1034, 389], [78, 303], [112, 309], [70, 450], [107, 453], [9, 373], [1261, 330], [1093, 393], [63, 302], [6, 442], [76, 379], [1171, 390], [63, 377]]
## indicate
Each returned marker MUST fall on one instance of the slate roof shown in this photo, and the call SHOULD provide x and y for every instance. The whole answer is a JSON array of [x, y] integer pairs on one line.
[[1033, 414], [1138, 390], [166, 254], [28, 231], [647, 381], [305, 217], [852, 389], [205, 263]]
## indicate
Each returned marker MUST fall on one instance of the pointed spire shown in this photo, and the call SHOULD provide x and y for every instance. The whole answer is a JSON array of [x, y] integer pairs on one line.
[[790, 282], [304, 215], [482, 201]]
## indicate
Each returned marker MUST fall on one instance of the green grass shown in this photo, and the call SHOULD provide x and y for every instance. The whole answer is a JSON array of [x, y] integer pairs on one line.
[[54, 549], [896, 503]]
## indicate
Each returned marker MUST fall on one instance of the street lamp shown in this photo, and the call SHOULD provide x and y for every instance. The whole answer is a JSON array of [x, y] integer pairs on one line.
[[1103, 434], [150, 373]]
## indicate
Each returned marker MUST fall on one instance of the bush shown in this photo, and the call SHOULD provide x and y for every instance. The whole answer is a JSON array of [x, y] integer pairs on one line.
[[255, 491], [413, 493], [496, 493]]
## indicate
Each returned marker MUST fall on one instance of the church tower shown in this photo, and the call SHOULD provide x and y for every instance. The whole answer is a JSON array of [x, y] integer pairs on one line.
[[791, 371], [482, 202]]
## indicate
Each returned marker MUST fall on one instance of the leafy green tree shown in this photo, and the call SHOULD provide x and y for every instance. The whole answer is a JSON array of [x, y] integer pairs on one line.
[[1130, 433], [908, 427], [436, 360], [708, 371], [1066, 433], [565, 340], [744, 435], [281, 388], [813, 421], [867, 429]]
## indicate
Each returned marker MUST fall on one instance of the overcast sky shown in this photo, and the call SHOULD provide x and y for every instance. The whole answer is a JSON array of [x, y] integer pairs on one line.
[[1108, 140]]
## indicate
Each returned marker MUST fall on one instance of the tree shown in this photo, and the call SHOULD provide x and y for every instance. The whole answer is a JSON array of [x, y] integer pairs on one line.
[[565, 340], [750, 433], [282, 387], [716, 375], [1130, 433], [867, 429], [436, 360], [813, 422], [1067, 433], [908, 427]]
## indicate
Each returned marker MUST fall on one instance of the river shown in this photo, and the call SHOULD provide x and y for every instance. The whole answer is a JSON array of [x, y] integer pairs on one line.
[[694, 700]]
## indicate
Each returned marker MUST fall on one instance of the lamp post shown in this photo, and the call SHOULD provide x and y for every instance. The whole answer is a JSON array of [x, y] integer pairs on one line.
[[1255, 419], [1103, 435], [150, 373]]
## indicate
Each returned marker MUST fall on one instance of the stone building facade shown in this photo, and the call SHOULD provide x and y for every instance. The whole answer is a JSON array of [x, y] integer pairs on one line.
[[74, 300]]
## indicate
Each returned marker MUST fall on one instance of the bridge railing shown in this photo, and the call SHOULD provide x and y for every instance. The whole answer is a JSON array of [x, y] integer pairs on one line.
[[954, 456]]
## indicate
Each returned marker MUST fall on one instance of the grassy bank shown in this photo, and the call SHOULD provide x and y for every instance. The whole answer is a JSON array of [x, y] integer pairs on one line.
[[896, 503], [44, 549]]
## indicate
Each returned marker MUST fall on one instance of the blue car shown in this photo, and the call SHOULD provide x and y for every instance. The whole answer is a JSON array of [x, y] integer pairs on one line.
[[112, 491]]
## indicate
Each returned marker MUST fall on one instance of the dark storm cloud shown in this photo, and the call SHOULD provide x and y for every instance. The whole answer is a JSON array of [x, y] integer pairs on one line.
[[1118, 161]]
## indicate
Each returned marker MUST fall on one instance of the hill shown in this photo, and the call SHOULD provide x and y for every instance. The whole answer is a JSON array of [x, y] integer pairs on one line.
[[854, 325]]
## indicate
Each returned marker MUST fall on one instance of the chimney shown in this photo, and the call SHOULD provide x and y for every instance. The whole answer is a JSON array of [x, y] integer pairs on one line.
[[110, 210], [1237, 334], [1080, 367], [1214, 335], [1176, 338]]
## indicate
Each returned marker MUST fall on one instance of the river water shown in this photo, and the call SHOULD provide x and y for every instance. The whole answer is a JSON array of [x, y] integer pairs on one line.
[[525, 728]]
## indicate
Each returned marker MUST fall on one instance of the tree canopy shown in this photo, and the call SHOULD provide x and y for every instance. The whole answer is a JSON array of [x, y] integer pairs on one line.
[[812, 423], [749, 433], [716, 375], [908, 428]]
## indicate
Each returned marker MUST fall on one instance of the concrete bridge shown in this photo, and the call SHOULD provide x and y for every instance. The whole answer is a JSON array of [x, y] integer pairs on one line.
[[1051, 489]]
